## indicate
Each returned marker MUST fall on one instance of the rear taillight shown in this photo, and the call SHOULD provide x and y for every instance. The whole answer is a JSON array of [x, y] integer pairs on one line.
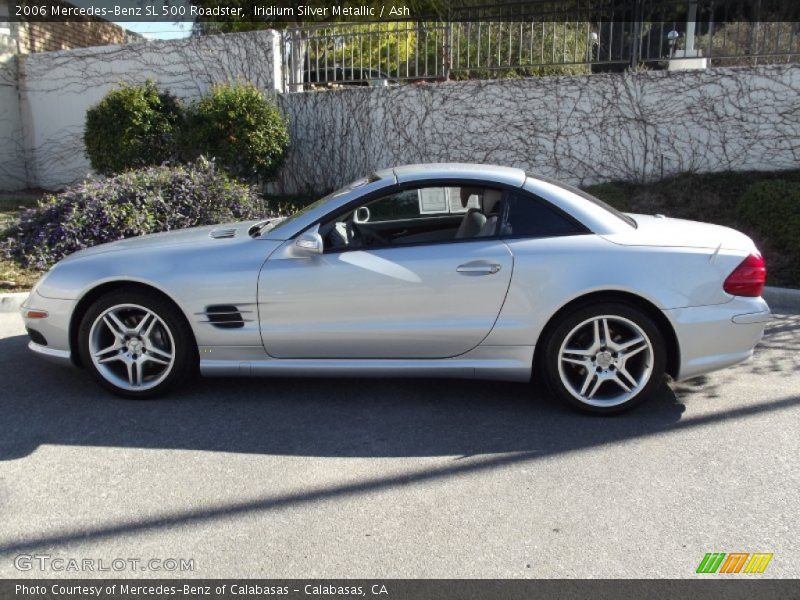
[[748, 278]]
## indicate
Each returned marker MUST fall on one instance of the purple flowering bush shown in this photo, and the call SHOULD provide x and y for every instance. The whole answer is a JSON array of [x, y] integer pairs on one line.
[[148, 200]]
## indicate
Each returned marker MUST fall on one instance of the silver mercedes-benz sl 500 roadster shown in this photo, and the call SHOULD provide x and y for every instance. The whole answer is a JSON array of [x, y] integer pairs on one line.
[[439, 270]]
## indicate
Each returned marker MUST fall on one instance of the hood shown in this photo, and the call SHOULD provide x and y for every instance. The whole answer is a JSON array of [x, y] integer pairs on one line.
[[667, 232], [207, 235]]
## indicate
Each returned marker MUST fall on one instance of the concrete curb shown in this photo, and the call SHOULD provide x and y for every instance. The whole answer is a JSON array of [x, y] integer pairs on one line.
[[782, 298], [11, 302]]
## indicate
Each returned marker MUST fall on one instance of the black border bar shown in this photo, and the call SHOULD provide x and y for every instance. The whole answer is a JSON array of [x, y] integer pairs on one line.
[[733, 588], [295, 13]]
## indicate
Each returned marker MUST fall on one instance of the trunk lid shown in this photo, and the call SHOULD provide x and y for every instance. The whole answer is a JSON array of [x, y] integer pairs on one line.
[[667, 232]]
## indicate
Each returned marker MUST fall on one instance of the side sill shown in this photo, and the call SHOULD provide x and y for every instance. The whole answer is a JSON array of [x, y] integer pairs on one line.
[[505, 363]]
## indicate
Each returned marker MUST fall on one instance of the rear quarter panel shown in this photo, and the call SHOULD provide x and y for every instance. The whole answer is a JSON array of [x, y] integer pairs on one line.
[[551, 272]]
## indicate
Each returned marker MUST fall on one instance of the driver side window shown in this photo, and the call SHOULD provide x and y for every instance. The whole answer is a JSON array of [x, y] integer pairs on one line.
[[421, 215]]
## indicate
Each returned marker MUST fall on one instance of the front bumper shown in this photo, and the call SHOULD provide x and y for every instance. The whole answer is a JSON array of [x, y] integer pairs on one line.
[[717, 336], [59, 357], [53, 329]]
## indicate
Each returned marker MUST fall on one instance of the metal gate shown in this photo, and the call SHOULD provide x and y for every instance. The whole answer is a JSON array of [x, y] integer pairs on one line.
[[538, 37]]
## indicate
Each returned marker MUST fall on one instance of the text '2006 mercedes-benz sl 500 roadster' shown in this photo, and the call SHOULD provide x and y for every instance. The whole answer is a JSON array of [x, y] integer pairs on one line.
[[439, 270]]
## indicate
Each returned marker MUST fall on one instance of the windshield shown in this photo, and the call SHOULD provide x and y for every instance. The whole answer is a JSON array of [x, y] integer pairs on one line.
[[346, 189]]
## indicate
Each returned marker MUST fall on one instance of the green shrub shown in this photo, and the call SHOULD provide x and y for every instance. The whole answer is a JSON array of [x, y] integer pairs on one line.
[[288, 205], [237, 126], [132, 126], [617, 194], [771, 210], [133, 203]]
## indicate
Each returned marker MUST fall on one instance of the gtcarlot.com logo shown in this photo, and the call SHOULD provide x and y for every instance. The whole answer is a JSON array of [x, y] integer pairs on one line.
[[47, 562], [734, 562]]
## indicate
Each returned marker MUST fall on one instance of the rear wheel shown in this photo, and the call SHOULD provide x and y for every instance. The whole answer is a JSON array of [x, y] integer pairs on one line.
[[604, 358], [136, 344]]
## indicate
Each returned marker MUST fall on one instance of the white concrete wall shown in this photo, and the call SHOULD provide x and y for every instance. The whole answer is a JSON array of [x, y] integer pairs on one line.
[[13, 152], [58, 87], [580, 129]]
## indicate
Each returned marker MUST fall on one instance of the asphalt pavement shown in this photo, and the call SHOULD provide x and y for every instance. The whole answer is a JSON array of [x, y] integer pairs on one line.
[[395, 478]]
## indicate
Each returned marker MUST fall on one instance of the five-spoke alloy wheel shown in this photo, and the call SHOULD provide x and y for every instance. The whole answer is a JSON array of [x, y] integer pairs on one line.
[[605, 358], [135, 343], [132, 347]]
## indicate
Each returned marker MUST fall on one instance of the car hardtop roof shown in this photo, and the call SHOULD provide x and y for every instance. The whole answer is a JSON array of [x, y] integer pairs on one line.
[[469, 171]]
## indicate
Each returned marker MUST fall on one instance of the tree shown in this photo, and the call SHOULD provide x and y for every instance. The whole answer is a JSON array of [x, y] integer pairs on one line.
[[384, 46], [214, 25]]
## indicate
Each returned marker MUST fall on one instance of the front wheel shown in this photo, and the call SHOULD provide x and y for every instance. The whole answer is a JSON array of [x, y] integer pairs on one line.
[[135, 344], [604, 358]]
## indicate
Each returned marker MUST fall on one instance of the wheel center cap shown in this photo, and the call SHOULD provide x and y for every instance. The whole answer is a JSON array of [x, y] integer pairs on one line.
[[604, 359], [134, 346]]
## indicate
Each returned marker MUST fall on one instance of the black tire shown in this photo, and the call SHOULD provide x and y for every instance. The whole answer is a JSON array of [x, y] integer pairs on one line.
[[182, 342], [626, 314]]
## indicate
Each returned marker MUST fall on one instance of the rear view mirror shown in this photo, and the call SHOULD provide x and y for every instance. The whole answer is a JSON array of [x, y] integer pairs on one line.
[[361, 215]]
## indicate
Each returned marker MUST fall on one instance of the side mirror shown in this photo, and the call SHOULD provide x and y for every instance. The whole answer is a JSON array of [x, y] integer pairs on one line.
[[309, 243]]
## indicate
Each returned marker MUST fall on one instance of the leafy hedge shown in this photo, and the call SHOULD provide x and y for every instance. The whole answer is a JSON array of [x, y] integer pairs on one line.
[[764, 205], [134, 203], [240, 129], [771, 211], [616, 194], [132, 126], [236, 125]]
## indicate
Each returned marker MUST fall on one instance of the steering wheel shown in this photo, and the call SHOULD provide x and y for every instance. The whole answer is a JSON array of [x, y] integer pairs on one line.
[[357, 236]]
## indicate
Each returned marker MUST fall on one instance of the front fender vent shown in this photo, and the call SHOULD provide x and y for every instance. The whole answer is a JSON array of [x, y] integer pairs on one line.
[[220, 234], [226, 316]]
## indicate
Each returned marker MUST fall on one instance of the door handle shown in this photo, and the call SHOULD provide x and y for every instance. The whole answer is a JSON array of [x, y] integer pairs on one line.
[[478, 268]]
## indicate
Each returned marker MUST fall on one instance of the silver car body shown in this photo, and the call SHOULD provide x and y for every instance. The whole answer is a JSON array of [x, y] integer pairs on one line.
[[409, 310]]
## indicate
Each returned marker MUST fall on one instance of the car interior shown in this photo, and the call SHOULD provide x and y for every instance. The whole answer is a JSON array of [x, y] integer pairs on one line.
[[414, 216]]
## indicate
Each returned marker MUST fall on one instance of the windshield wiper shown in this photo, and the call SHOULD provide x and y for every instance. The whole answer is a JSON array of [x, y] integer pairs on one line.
[[257, 228]]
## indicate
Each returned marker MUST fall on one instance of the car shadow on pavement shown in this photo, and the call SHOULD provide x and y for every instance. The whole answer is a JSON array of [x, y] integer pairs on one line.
[[480, 425], [48, 404]]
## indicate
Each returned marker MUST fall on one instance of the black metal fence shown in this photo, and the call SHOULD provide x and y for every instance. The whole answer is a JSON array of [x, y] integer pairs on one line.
[[518, 39]]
